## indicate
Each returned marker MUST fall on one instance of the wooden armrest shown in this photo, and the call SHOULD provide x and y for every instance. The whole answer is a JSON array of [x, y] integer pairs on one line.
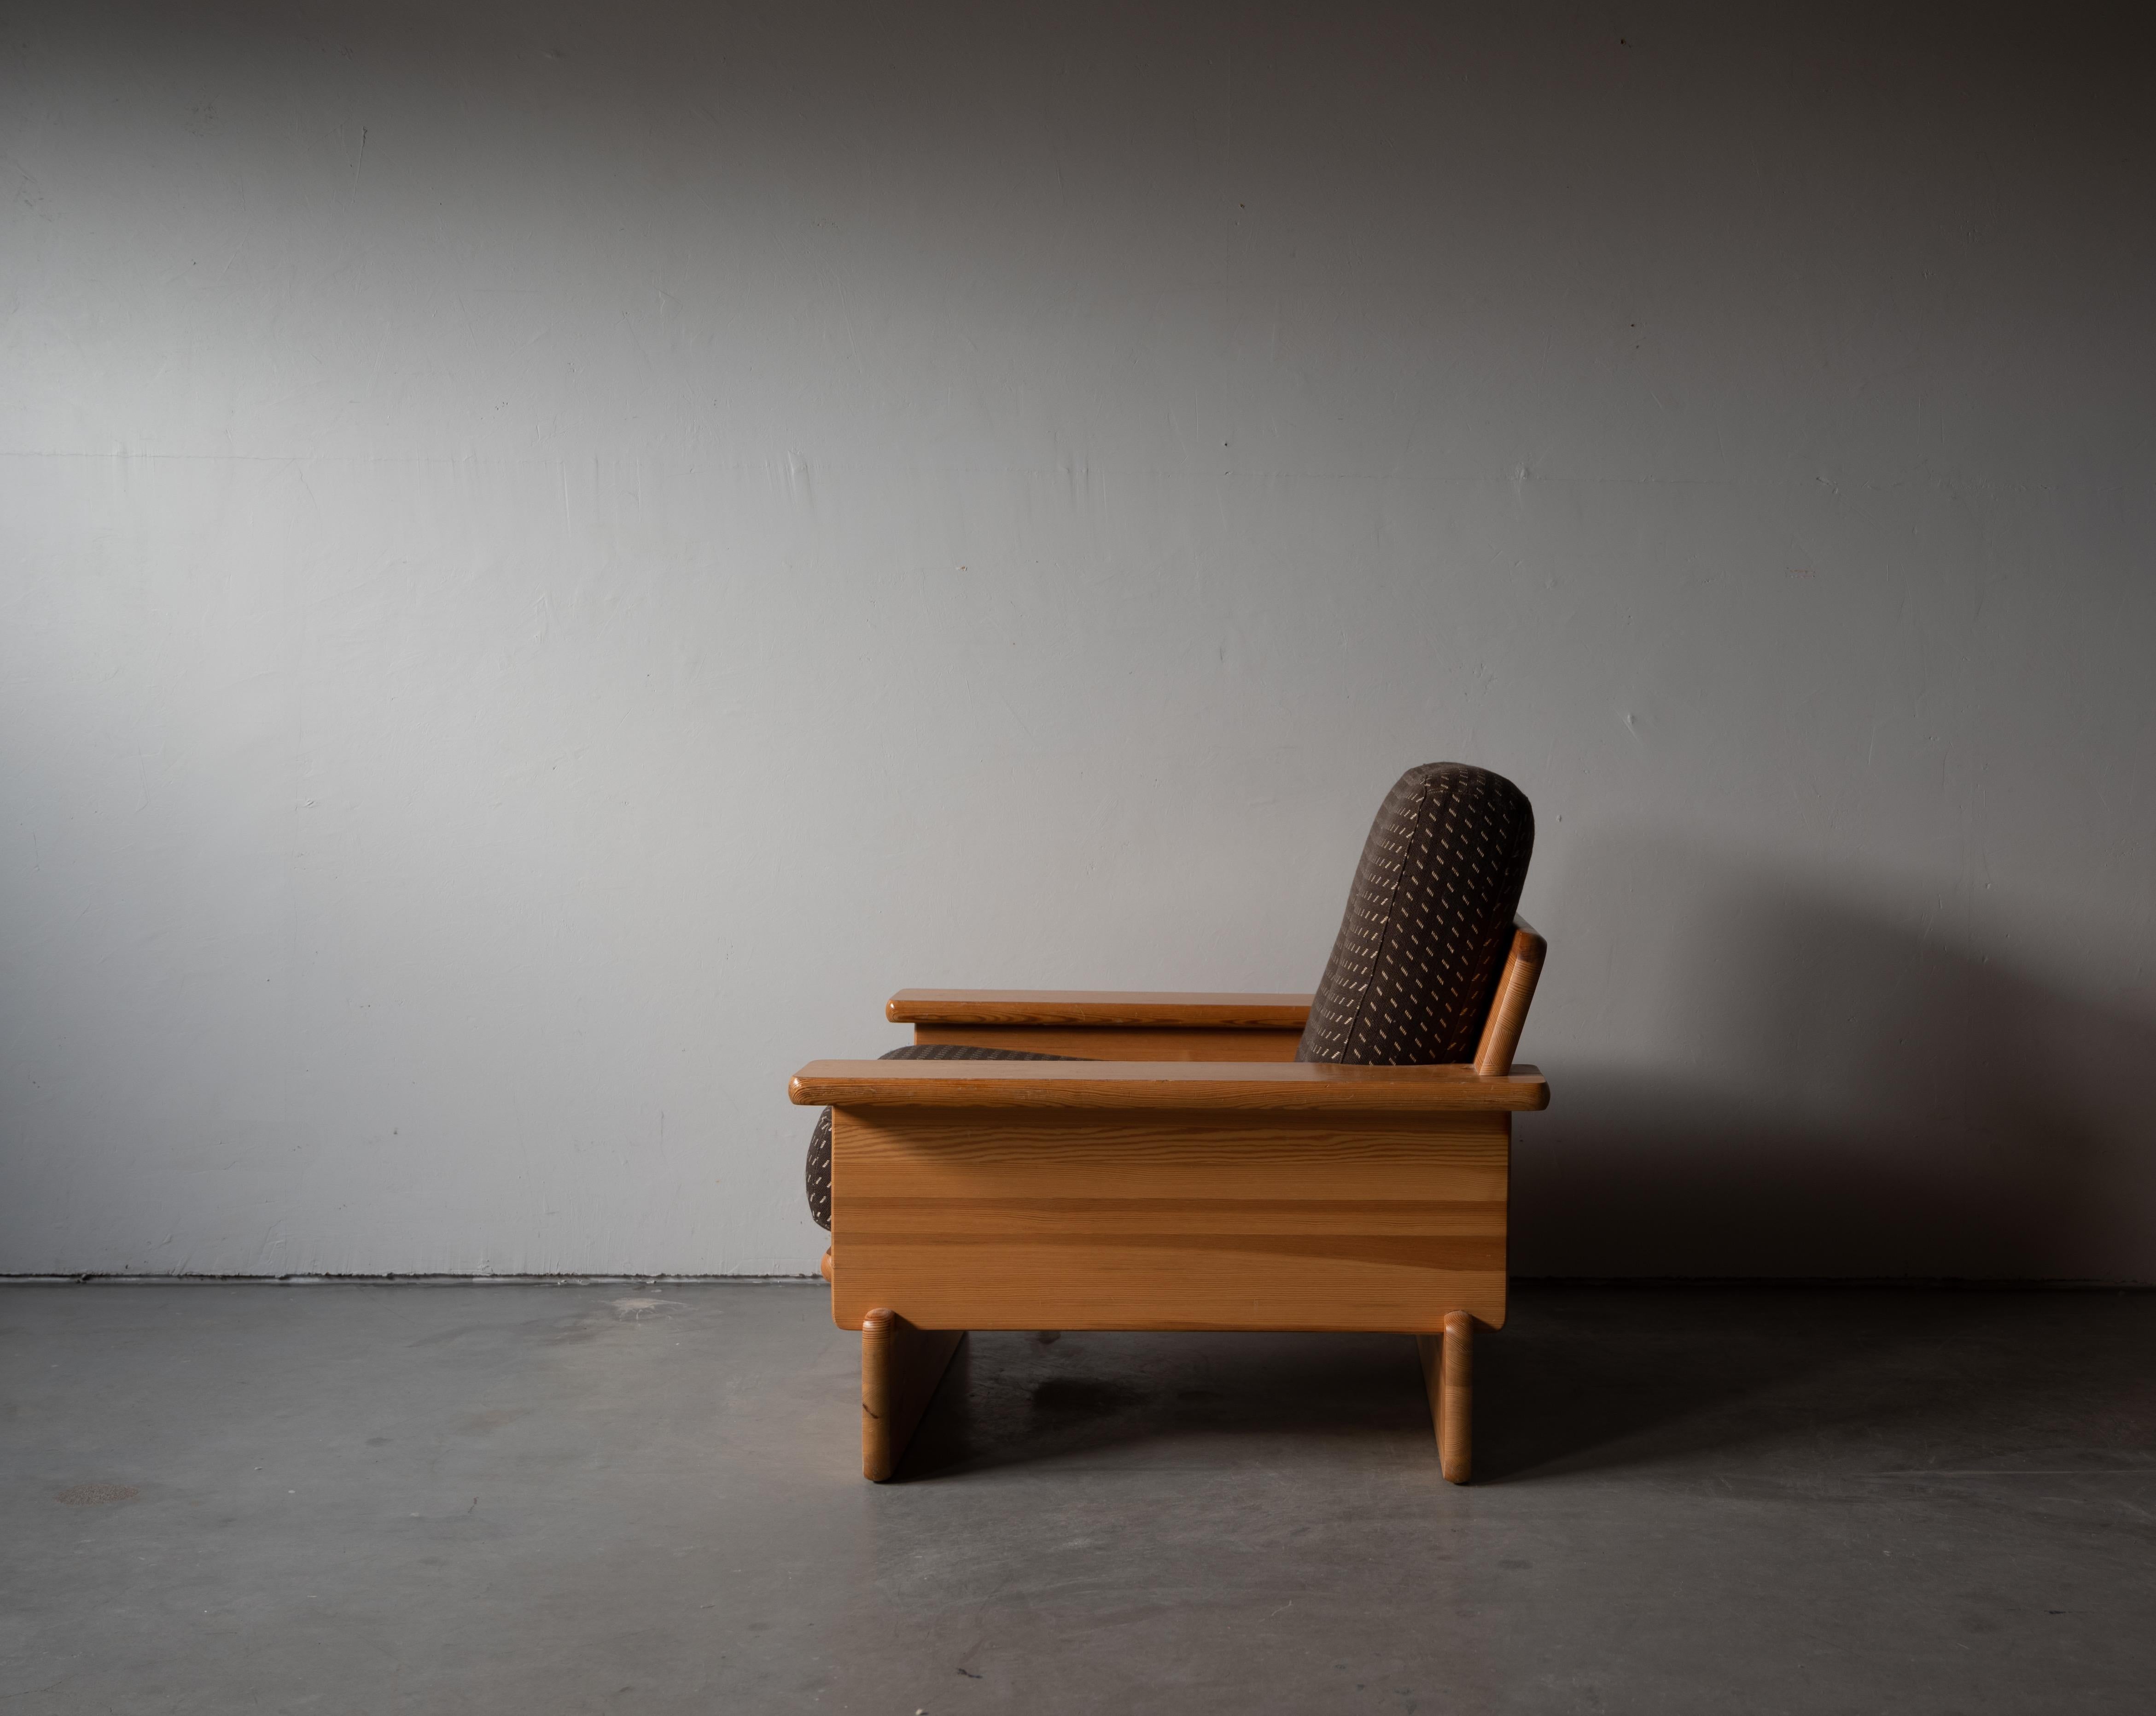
[[1301, 1086], [1098, 1007]]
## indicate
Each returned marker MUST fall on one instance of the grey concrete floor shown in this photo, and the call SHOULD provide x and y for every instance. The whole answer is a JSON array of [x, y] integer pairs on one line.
[[565, 1498]]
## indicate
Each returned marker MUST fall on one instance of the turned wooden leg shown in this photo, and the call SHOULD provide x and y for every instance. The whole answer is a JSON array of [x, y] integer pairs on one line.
[[1448, 1375], [823, 1268], [900, 1366]]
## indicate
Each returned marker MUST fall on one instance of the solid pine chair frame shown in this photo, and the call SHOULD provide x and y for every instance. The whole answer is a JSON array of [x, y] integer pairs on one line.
[[1192, 1175]]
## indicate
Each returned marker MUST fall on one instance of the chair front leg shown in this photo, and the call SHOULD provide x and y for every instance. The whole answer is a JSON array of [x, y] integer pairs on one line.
[[900, 1366]]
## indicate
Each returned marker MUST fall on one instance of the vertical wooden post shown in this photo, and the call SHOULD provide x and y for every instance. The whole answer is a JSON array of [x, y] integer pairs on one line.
[[900, 1366], [1448, 1377], [1508, 1007], [1456, 1415]]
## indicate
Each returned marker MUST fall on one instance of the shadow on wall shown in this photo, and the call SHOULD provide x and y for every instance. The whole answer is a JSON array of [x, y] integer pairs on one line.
[[1846, 1094]]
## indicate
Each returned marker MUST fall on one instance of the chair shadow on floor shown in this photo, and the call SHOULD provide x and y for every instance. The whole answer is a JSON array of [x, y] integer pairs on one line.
[[1147, 1399], [1857, 1100], [1585, 1379]]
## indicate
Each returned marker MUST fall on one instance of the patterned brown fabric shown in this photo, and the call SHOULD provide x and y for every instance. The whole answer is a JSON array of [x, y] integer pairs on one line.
[[819, 1141], [1428, 919]]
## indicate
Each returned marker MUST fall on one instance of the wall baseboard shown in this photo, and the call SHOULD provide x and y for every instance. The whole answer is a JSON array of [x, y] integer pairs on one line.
[[1913, 1283], [129, 1280]]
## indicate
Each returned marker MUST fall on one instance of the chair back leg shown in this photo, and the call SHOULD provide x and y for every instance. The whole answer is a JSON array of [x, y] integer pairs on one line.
[[1448, 1375]]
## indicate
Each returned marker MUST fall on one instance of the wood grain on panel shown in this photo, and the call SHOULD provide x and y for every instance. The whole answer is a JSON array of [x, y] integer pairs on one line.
[[1100, 1042], [1031, 1219], [1267, 1087], [901, 1364], [1227, 1012]]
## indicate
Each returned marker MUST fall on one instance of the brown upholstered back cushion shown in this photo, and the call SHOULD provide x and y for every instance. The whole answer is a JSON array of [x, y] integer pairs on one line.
[[1429, 920]]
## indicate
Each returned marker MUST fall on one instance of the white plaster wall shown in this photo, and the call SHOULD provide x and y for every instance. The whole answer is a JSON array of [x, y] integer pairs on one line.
[[551, 557]]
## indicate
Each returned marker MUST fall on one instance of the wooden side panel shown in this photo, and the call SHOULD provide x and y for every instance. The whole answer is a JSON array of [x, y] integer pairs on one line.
[[1047, 1219], [1114, 1043]]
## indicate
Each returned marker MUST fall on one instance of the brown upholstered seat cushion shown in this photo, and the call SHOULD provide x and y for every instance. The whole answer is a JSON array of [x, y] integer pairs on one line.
[[1428, 922], [819, 1141]]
